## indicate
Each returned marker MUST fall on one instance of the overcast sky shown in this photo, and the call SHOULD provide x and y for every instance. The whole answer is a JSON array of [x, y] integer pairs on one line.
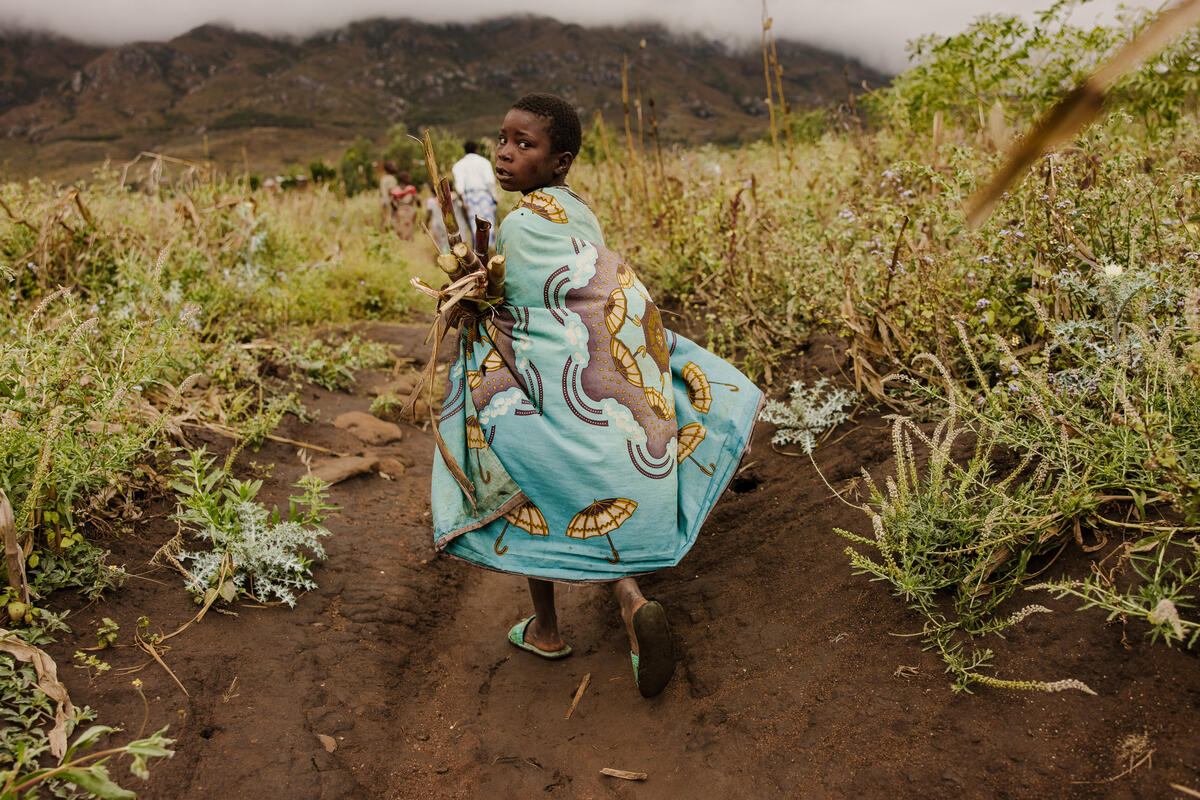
[[873, 30]]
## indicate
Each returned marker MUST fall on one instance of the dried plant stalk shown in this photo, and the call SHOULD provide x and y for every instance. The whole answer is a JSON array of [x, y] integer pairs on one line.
[[14, 556], [766, 26]]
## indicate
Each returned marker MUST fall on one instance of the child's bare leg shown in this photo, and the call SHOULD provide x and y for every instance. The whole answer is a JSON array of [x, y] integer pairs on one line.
[[543, 631], [630, 597]]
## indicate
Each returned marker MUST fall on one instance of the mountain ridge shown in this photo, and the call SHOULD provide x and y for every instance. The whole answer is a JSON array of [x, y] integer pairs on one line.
[[251, 101]]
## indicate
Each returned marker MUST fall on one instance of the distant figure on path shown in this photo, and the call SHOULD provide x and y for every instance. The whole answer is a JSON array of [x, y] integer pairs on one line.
[[403, 197], [476, 182], [460, 212], [433, 219], [387, 182]]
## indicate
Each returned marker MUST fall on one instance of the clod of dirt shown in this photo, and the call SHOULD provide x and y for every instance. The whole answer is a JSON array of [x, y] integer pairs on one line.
[[368, 428], [392, 466], [328, 741], [402, 386], [339, 469]]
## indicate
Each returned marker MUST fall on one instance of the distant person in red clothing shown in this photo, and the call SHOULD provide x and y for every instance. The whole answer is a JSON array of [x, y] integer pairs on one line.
[[402, 205]]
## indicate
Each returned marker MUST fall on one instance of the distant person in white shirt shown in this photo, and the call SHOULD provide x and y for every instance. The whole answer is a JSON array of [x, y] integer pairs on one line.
[[475, 181]]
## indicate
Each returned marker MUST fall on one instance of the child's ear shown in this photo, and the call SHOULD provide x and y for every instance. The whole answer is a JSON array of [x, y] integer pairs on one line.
[[563, 165]]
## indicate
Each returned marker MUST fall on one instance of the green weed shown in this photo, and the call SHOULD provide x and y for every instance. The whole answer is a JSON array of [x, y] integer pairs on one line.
[[254, 552]]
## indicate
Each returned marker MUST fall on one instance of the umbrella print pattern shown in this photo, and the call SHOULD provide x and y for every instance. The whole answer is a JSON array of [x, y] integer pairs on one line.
[[690, 437], [658, 403], [493, 332], [627, 280], [528, 518], [625, 276], [601, 518], [477, 441], [656, 339], [699, 388], [545, 206], [624, 361], [491, 362], [614, 311]]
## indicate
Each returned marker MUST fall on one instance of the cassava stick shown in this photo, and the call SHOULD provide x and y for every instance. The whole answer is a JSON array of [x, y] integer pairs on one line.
[[448, 215], [448, 264], [495, 271], [483, 237], [466, 256]]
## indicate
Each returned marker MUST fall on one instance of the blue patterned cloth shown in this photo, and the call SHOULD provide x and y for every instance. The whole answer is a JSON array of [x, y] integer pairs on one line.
[[481, 203], [596, 441]]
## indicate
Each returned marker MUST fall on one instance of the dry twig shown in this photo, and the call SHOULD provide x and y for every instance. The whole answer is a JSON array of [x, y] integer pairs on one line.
[[578, 695], [624, 774]]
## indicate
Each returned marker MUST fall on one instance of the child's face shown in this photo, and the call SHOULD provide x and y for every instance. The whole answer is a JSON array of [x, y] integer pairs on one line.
[[524, 156]]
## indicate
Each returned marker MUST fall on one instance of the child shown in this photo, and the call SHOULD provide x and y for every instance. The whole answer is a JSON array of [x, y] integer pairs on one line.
[[387, 182], [433, 218], [595, 441], [403, 197]]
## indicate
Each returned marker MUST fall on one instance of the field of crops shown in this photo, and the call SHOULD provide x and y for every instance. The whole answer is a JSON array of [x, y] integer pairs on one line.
[[998, 426]]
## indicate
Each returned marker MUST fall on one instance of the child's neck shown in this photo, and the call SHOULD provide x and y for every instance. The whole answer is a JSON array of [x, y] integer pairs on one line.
[[559, 181]]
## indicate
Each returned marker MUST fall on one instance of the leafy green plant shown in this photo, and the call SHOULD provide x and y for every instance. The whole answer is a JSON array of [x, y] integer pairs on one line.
[[82, 567], [27, 710], [253, 552], [73, 424], [1002, 64], [106, 634], [332, 366], [89, 772], [1167, 579], [356, 166], [92, 663], [1070, 440], [862, 233], [408, 154], [809, 412]]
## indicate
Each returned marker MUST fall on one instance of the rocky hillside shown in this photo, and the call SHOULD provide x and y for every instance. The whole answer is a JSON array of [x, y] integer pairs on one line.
[[255, 102]]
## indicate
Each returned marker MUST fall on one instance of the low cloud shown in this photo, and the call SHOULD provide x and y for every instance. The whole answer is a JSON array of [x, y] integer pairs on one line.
[[874, 31]]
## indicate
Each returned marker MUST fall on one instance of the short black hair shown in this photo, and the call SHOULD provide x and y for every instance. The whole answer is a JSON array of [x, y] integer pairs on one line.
[[470, 146], [566, 135]]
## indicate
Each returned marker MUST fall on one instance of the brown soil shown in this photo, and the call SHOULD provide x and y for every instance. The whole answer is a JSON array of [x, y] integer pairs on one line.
[[793, 679]]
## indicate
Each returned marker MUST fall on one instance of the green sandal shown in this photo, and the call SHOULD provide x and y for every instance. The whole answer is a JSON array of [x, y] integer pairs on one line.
[[652, 670], [516, 635]]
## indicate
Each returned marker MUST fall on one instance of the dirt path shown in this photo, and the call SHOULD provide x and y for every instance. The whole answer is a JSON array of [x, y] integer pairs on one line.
[[789, 683]]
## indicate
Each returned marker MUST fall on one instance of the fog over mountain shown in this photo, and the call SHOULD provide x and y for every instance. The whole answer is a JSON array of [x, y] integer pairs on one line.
[[874, 31]]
